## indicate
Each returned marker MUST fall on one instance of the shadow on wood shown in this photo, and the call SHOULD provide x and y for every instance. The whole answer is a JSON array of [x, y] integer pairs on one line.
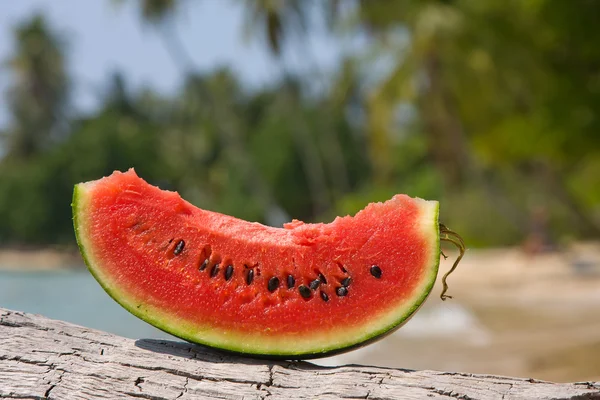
[[42, 358], [194, 351]]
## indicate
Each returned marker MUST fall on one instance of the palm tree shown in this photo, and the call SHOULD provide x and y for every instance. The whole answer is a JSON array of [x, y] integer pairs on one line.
[[38, 98], [483, 77], [277, 19]]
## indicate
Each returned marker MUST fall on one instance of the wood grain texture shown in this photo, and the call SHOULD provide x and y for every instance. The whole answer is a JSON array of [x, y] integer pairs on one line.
[[42, 358]]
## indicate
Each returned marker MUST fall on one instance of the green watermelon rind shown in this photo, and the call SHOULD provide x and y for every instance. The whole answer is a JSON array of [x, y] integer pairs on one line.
[[288, 353]]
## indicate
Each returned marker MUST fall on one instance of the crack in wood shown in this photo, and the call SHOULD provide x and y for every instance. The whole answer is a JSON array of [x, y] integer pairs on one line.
[[138, 381], [189, 375], [47, 394], [53, 385], [20, 359], [184, 390], [587, 396], [507, 392], [452, 394], [270, 382], [265, 386], [52, 359], [144, 396], [589, 385]]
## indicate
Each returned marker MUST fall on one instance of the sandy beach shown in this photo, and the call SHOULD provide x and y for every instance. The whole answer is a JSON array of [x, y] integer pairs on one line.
[[40, 259], [512, 314]]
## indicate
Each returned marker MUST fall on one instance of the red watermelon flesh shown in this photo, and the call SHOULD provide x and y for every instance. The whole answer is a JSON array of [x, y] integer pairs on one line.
[[314, 289]]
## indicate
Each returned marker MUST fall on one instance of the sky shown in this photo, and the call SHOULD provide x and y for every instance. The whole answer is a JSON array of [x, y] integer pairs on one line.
[[102, 37]]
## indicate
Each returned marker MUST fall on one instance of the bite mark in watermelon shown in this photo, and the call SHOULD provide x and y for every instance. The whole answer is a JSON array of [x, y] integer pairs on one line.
[[301, 291]]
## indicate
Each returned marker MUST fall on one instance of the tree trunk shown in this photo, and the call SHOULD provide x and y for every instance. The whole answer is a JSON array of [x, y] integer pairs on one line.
[[446, 139], [175, 47], [46, 359]]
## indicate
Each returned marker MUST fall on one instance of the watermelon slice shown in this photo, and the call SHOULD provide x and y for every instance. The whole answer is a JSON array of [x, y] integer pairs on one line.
[[301, 291]]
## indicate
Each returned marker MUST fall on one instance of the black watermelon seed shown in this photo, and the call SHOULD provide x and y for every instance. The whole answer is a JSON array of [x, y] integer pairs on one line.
[[346, 281], [203, 266], [322, 279], [341, 291], [228, 272], [214, 271], [304, 291], [290, 281], [376, 271], [273, 284], [250, 276], [314, 284], [179, 247], [324, 296]]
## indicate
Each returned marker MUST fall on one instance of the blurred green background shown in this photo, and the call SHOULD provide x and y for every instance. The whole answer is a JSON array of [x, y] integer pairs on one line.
[[491, 107], [488, 106]]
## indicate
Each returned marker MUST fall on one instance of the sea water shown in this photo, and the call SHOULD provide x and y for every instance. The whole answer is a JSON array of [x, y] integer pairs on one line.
[[75, 296], [72, 296]]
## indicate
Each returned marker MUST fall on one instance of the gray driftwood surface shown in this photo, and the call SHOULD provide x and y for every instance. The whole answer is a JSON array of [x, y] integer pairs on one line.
[[43, 358]]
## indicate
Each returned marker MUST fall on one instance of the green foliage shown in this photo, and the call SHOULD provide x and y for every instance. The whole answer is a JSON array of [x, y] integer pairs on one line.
[[490, 107], [37, 99]]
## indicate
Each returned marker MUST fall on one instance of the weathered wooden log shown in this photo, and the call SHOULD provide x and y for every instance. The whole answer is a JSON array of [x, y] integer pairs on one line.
[[42, 358]]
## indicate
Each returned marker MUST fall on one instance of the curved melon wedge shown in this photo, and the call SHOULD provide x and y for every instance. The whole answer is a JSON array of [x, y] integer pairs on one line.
[[301, 291]]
